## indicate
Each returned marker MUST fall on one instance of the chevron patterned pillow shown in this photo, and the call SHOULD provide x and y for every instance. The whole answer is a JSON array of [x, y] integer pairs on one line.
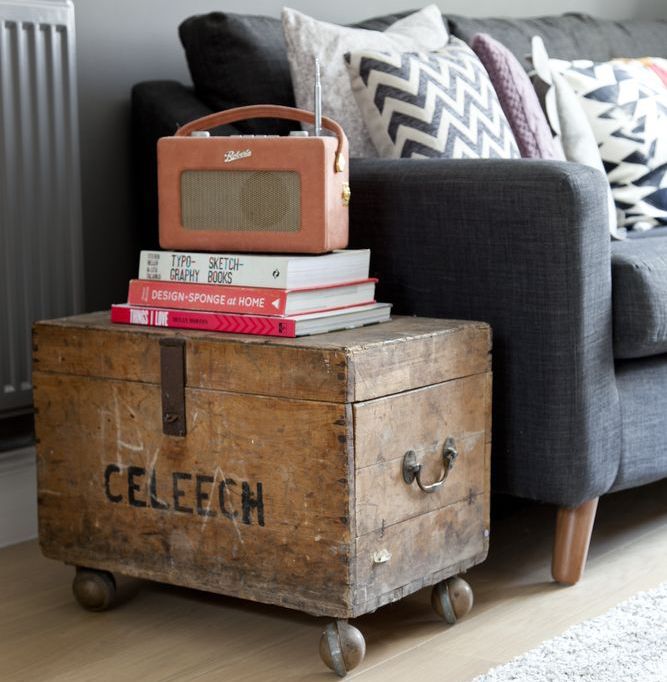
[[430, 104]]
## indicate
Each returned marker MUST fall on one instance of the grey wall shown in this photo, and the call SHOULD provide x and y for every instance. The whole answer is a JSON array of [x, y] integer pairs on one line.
[[122, 42], [653, 8]]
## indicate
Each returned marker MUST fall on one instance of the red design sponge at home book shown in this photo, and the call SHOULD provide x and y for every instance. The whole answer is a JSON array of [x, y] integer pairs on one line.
[[249, 300], [297, 325]]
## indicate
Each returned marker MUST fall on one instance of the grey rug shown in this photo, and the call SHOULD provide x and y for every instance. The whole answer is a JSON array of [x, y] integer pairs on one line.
[[626, 644]]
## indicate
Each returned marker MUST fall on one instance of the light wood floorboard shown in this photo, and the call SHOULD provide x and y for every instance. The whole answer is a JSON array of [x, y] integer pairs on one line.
[[164, 633]]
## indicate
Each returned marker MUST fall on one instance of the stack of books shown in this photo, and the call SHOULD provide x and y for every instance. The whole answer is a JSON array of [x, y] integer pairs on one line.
[[274, 295]]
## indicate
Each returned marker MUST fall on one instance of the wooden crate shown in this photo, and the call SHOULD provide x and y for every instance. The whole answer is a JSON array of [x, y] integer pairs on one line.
[[287, 486]]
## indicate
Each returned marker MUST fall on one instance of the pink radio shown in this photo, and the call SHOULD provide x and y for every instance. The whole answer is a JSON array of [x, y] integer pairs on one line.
[[253, 193]]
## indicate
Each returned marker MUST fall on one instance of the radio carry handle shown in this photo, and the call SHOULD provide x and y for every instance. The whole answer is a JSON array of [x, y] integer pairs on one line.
[[269, 111]]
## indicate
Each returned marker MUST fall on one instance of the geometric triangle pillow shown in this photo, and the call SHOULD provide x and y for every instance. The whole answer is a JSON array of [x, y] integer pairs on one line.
[[438, 104], [626, 106]]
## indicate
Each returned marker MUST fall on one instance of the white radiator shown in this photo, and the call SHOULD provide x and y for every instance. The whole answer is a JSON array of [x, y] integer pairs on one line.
[[41, 264]]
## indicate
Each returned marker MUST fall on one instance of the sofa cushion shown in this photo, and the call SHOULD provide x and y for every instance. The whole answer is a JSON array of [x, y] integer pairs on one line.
[[626, 106], [655, 232], [518, 99], [570, 36], [308, 39], [237, 60], [411, 104], [569, 122], [639, 284]]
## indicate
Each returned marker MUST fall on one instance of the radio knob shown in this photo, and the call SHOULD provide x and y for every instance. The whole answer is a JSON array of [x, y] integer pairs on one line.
[[347, 194]]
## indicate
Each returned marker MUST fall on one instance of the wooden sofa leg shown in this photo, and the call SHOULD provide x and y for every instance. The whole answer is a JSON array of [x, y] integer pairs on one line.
[[573, 535]]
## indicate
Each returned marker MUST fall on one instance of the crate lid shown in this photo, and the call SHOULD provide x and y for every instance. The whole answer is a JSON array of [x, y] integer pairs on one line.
[[345, 366]]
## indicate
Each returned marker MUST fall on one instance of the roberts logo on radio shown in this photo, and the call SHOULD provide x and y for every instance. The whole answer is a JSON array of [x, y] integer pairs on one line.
[[235, 156]]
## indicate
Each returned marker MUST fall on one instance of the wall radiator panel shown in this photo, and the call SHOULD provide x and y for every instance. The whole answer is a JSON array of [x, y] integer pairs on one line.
[[41, 262]]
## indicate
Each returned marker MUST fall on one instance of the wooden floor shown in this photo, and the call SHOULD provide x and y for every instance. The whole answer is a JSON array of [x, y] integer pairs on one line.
[[159, 632]]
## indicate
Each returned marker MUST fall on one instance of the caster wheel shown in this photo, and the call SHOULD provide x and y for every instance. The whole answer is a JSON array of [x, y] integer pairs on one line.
[[94, 590], [452, 599], [342, 647]]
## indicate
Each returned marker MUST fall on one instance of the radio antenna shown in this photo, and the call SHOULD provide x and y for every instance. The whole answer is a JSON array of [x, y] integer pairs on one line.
[[318, 99]]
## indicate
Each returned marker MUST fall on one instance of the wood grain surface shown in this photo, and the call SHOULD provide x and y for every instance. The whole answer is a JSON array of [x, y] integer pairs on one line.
[[420, 420], [422, 551], [288, 481], [298, 452], [344, 366]]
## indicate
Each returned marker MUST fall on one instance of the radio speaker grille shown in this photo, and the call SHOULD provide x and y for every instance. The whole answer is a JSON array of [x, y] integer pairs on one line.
[[241, 201]]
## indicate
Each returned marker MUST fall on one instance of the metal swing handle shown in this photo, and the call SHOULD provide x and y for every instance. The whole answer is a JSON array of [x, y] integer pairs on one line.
[[412, 469]]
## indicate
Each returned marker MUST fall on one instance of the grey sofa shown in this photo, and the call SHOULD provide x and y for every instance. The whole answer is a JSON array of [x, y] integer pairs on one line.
[[579, 323]]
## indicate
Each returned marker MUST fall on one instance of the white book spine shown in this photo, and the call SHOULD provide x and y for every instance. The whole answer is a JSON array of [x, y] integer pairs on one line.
[[209, 268]]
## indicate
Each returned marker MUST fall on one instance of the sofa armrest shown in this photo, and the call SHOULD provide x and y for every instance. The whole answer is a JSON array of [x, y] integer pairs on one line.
[[523, 245], [158, 109]]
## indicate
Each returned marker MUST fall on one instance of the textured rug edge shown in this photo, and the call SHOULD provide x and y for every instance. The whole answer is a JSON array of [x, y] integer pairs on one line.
[[628, 642]]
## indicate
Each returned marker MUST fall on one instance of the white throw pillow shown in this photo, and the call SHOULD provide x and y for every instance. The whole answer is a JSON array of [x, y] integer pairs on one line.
[[570, 124], [308, 38]]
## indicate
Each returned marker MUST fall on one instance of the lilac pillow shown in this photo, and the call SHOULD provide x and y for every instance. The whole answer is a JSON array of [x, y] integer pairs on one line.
[[517, 98]]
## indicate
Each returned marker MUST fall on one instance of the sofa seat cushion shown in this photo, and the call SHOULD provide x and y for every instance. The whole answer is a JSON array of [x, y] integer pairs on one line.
[[639, 282]]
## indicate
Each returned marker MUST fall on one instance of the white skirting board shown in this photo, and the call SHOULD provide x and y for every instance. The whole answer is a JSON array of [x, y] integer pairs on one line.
[[18, 496]]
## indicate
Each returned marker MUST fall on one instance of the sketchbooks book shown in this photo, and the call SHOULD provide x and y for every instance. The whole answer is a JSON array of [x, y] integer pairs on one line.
[[276, 271]]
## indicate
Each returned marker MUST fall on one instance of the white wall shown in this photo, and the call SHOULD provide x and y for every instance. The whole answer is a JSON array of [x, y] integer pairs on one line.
[[122, 42]]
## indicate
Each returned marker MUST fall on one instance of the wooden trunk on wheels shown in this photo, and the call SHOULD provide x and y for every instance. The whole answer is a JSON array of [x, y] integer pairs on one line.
[[267, 469]]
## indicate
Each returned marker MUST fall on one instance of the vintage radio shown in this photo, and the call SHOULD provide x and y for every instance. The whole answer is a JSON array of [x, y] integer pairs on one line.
[[253, 193]]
